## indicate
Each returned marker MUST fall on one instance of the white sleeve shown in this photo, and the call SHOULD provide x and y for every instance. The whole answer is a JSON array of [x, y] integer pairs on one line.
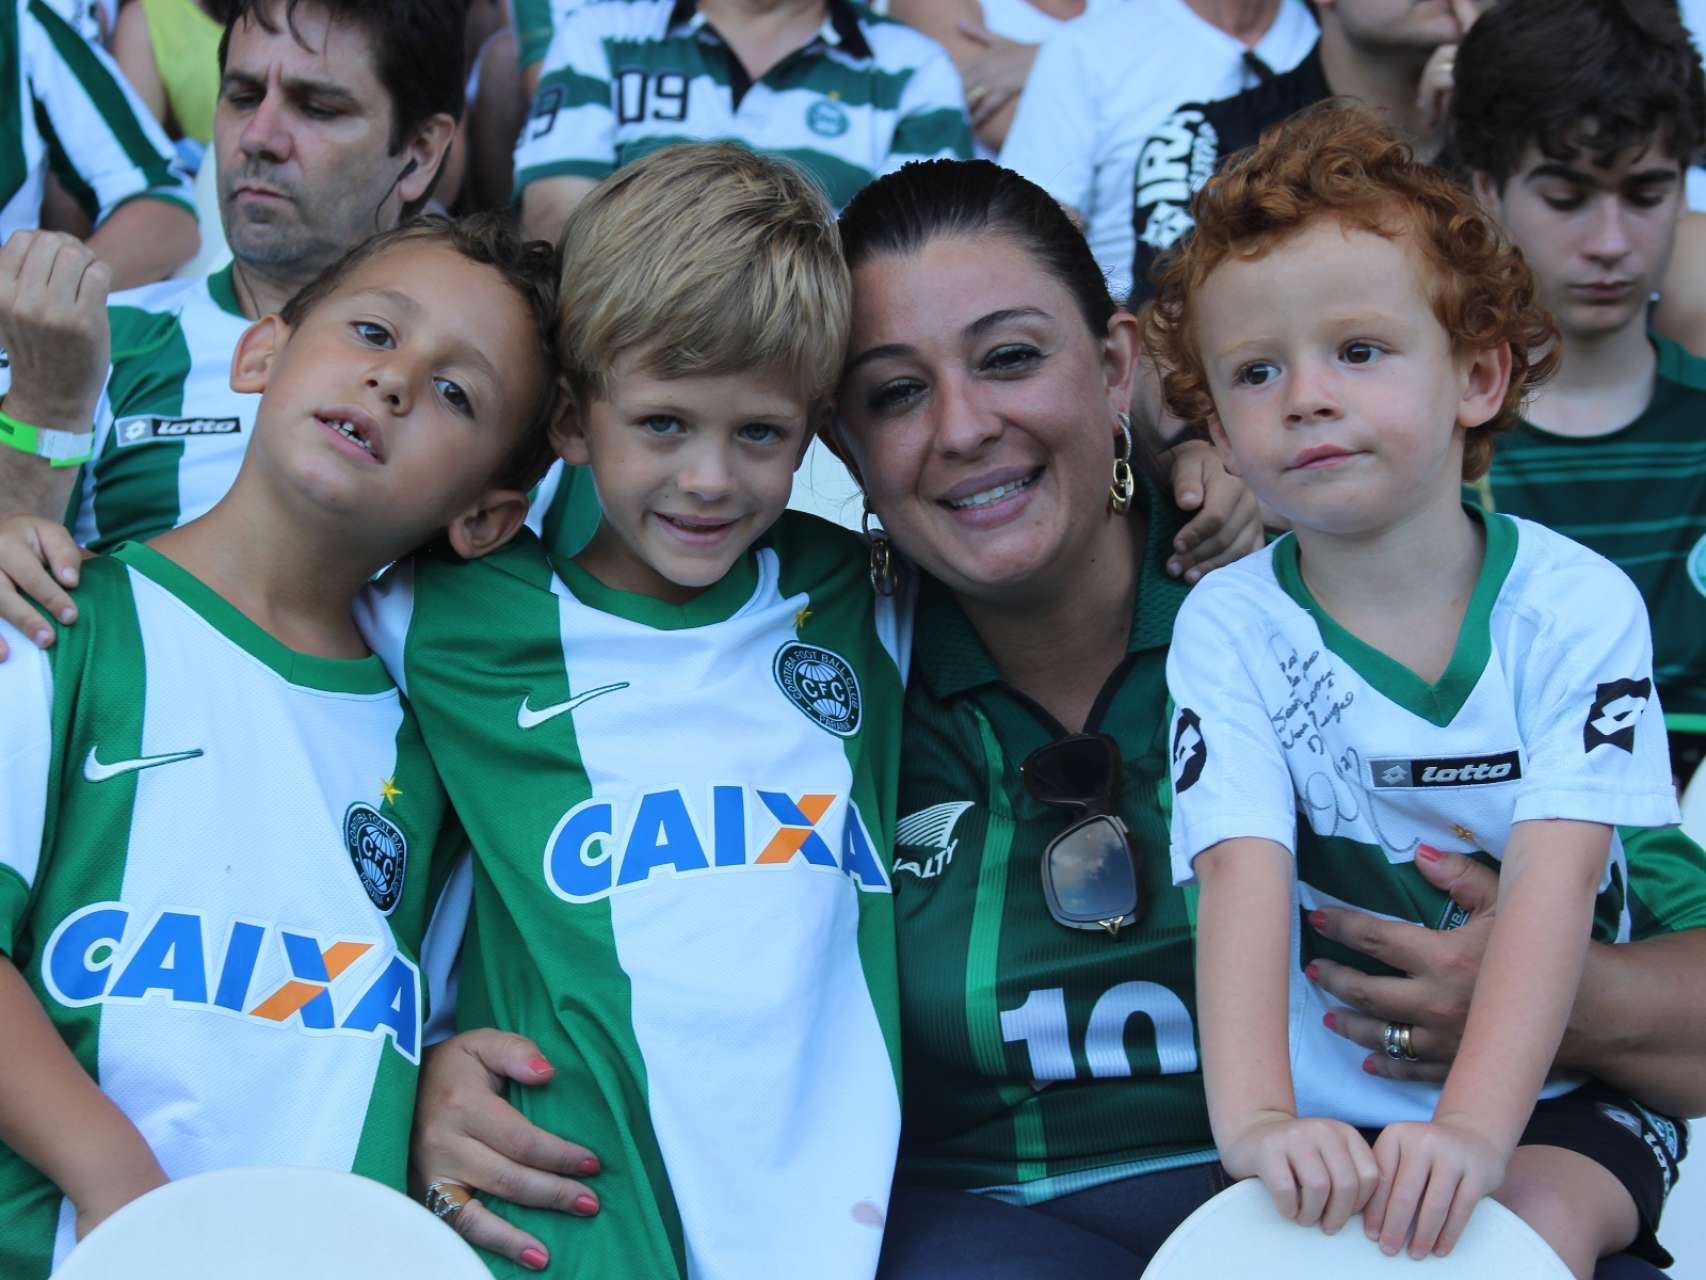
[[933, 124], [383, 612], [1229, 773], [1053, 137], [441, 950], [26, 753], [1591, 726]]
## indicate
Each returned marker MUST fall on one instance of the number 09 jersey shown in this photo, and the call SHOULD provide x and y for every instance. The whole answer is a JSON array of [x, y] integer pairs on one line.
[[1288, 728]]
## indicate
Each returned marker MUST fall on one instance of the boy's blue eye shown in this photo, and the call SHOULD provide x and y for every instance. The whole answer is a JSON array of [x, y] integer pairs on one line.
[[760, 432], [454, 396], [661, 424], [375, 335], [1256, 373]]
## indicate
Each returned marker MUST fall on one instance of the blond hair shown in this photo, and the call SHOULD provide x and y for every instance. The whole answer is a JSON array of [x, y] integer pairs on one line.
[[704, 259]]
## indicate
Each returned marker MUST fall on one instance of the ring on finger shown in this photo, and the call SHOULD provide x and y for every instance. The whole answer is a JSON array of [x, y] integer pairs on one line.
[[1404, 1046], [445, 1199], [1389, 1041]]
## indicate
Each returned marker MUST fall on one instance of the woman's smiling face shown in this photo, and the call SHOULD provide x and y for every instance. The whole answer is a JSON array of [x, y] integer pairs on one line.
[[980, 412]]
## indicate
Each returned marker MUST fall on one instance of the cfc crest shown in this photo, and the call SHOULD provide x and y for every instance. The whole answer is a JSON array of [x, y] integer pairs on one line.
[[821, 684], [379, 852]]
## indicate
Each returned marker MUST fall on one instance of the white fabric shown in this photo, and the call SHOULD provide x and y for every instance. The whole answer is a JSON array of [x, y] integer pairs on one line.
[[1271, 723], [1104, 81]]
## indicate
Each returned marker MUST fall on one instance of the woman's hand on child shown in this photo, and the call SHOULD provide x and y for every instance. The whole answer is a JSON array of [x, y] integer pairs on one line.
[[1431, 1178], [465, 1132], [1317, 1170], [122, 1185], [1228, 520], [38, 559]]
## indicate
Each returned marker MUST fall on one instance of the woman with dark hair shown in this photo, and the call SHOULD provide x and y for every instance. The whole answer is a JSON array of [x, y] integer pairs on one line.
[[1054, 1122]]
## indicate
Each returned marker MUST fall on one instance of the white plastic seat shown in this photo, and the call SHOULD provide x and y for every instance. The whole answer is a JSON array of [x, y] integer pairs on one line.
[[272, 1224], [1239, 1233], [214, 252]]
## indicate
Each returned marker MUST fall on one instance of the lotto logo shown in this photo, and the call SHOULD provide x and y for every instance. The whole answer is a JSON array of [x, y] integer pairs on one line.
[[1445, 771], [598, 849], [1617, 705], [137, 430], [95, 956]]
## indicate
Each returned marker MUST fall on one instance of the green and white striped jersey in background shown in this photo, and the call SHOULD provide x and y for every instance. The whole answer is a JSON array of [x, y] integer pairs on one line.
[[219, 860], [1638, 497], [65, 104], [1290, 729], [627, 77], [681, 823]]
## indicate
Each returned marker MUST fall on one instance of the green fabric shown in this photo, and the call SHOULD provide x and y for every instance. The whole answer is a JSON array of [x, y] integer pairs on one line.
[[1637, 496], [995, 995]]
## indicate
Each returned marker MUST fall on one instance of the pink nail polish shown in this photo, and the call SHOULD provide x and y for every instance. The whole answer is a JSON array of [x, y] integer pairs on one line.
[[586, 1205], [538, 1065], [1330, 1022], [590, 1166], [1317, 919], [1427, 853], [1312, 971], [1368, 1066], [533, 1258]]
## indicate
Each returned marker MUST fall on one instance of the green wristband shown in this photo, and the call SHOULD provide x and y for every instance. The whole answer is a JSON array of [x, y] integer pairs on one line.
[[60, 448]]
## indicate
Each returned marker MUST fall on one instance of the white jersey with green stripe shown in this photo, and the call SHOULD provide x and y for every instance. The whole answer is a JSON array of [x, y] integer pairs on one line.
[[220, 860], [681, 819], [625, 77], [169, 431], [1288, 728], [66, 106]]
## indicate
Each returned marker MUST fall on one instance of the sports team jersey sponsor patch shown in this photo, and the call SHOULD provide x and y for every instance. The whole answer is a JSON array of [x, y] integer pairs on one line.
[[1617, 705], [1446, 771], [107, 953], [930, 833], [139, 430]]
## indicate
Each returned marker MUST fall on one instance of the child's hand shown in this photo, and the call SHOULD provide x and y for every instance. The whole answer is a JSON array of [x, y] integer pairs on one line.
[[1431, 1178], [1317, 1170], [36, 557], [1228, 521]]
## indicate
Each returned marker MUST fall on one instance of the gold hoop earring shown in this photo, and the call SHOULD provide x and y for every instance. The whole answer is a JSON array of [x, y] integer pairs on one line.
[[1124, 485], [882, 559]]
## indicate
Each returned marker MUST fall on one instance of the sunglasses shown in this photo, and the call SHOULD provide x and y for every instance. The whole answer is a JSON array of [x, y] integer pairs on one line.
[[1089, 870]]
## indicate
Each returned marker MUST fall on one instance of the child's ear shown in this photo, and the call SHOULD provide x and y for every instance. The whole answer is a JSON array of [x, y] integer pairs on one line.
[[252, 361], [568, 435], [1222, 445], [1485, 377], [494, 518]]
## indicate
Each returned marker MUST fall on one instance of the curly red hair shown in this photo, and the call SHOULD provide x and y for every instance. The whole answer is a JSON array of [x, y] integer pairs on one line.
[[1337, 160]]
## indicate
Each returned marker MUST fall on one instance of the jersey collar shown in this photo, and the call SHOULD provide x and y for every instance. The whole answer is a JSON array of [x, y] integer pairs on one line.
[[222, 287], [840, 29], [951, 658]]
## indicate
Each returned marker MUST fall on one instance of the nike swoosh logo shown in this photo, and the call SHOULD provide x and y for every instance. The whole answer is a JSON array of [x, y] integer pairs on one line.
[[95, 771], [528, 718]]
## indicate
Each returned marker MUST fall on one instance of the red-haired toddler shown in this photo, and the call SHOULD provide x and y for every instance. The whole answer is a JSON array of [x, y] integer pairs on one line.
[[1397, 677]]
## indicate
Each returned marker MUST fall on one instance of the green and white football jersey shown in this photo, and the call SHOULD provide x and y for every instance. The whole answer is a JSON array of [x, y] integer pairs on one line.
[[627, 77], [681, 823], [1290, 729], [170, 432], [1638, 497], [66, 106], [219, 861]]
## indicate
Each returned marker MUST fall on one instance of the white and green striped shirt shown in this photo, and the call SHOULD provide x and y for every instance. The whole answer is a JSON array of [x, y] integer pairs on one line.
[[220, 861], [626, 77], [67, 107]]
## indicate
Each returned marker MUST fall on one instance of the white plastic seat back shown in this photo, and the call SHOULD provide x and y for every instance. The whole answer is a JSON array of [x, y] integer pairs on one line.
[[272, 1224], [1240, 1233], [214, 252]]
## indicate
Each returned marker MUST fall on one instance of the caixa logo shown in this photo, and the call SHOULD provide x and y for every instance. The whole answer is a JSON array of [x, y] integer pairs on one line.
[[599, 847], [98, 956]]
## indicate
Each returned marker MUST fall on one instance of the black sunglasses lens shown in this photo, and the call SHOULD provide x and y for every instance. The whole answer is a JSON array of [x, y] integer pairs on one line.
[[1075, 770], [1088, 874]]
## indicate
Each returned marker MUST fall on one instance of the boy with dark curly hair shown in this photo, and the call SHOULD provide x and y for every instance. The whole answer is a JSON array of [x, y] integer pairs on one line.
[[1399, 677]]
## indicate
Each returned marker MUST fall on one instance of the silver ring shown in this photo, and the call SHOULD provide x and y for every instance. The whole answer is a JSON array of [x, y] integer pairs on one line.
[[1395, 1042], [445, 1199]]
